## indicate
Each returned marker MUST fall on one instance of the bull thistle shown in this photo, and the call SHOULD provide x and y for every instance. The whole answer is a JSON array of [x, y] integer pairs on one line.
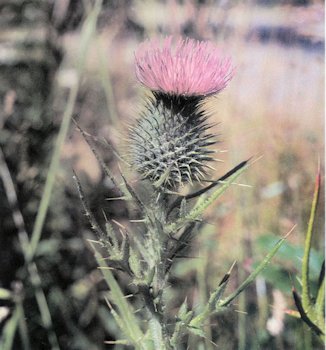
[[170, 145]]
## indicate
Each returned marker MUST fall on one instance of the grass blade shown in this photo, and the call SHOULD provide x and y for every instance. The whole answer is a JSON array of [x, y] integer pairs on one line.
[[87, 33], [22, 325], [9, 331]]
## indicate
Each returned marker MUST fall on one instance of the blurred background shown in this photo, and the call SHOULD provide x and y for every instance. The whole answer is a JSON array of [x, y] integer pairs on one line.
[[61, 58]]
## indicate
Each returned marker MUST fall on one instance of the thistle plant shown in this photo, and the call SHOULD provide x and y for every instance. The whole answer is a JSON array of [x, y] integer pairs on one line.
[[170, 146]]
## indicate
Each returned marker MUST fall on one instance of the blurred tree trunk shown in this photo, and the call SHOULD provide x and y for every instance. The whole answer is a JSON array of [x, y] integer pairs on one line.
[[29, 58]]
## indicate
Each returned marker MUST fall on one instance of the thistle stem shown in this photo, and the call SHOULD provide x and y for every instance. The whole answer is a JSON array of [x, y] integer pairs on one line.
[[154, 301]]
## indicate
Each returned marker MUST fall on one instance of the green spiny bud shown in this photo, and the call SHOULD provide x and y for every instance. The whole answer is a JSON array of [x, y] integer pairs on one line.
[[169, 143]]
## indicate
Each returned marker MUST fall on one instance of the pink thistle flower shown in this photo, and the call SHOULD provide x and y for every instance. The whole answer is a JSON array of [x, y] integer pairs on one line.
[[190, 67]]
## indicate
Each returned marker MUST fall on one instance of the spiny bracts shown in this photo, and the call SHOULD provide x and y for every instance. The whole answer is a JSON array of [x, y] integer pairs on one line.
[[169, 144]]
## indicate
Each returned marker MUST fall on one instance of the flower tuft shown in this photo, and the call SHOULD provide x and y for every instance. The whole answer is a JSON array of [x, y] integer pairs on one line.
[[189, 67]]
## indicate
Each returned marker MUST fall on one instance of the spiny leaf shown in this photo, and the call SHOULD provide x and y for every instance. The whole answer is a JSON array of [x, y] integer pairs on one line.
[[255, 273], [125, 310], [134, 264], [134, 195], [320, 304], [293, 313], [204, 202], [100, 160], [212, 305], [94, 225], [216, 296], [180, 245], [214, 183], [183, 309], [112, 238], [183, 320], [142, 250], [306, 299], [197, 331]]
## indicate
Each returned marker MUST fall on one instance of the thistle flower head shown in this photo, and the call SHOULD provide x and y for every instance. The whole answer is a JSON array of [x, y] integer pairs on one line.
[[189, 67], [170, 144]]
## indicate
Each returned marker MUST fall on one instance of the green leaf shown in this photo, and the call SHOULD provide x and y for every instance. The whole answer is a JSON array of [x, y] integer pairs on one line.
[[278, 277], [156, 332], [112, 237], [134, 264], [134, 196], [125, 310], [306, 299], [183, 320], [183, 310], [218, 293], [289, 254], [197, 331], [204, 202], [214, 183], [255, 273], [212, 304]]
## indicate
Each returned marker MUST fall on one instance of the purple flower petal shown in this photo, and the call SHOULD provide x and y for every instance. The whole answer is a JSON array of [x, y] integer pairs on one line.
[[189, 67]]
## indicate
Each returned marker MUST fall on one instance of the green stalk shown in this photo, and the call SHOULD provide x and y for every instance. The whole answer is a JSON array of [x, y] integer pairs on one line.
[[9, 331], [202, 273], [306, 299], [307, 338], [44, 205], [156, 332], [43, 305], [23, 327], [158, 241], [320, 306], [242, 305]]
